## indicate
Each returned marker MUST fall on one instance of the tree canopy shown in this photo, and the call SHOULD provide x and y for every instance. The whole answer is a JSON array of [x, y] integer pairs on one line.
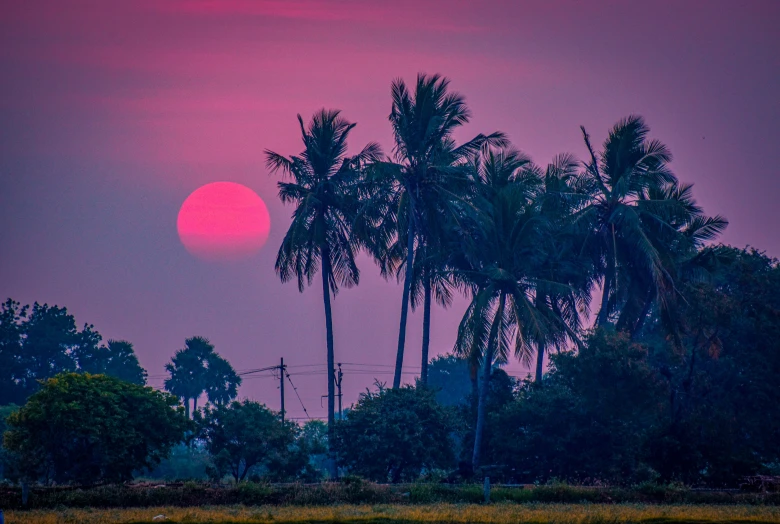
[[90, 428]]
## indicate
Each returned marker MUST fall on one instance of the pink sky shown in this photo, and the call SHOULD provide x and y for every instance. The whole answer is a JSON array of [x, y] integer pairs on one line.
[[111, 113]]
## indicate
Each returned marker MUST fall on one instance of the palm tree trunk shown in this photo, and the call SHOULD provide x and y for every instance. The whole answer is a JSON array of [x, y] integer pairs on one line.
[[643, 315], [399, 357], [426, 334], [484, 387], [604, 309], [331, 360], [539, 362]]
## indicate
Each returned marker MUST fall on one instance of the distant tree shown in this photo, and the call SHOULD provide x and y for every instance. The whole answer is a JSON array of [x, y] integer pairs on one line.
[[244, 436], [116, 359], [197, 369], [450, 377], [393, 434], [314, 437], [5, 457], [222, 381], [86, 428], [13, 372], [184, 462], [324, 188], [50, 336], [39, 342]]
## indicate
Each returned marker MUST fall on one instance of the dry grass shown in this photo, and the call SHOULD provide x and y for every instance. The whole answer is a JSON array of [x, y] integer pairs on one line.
[[436, 513]]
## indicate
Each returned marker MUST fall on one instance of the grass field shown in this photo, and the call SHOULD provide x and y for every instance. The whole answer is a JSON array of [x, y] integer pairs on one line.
[[436, 513]]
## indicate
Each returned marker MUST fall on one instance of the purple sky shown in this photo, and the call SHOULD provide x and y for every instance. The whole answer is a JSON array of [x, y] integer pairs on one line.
[[111, 113]]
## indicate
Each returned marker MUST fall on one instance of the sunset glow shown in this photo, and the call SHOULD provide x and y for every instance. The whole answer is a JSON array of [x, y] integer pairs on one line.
[[223, 221]]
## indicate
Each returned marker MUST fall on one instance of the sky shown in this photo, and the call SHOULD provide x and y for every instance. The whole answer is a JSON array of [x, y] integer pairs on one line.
[[112, 113]]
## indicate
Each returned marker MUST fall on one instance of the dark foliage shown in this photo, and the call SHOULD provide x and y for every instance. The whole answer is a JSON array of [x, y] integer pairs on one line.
[[92, 428], [393, 434]]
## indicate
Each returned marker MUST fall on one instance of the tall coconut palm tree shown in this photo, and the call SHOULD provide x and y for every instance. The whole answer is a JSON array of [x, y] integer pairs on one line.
[[629, 167], [501, 267], [424, 179], [324, 189], [681, 237], [565, 293]]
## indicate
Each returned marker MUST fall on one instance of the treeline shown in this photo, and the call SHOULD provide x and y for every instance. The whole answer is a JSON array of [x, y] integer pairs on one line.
[[40, 341], [699, 410]]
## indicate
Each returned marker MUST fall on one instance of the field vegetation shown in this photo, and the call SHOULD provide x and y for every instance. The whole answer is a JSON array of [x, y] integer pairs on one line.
[[433, 514]]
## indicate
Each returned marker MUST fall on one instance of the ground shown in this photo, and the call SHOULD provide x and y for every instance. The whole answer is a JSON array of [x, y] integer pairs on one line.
[[435, 513]]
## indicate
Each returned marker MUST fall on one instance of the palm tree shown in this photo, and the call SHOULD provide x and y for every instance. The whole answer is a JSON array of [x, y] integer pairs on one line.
[[565, 292], [424, 183], [501, 267], [188, 370], [629, 168], [324, 187], [681, 237], [222, 381], [643, 221]]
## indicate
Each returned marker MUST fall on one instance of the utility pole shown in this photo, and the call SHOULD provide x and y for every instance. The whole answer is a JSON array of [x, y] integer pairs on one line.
[[338, 385], [282, 369]]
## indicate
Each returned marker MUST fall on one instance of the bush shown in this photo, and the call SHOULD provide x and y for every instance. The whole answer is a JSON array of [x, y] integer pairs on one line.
[[357, 491]]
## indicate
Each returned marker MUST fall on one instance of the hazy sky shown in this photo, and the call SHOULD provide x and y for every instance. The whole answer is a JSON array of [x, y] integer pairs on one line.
[[111, 113]]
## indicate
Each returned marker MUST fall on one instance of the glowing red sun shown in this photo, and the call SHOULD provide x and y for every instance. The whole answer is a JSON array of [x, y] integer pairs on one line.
[[223, 221]]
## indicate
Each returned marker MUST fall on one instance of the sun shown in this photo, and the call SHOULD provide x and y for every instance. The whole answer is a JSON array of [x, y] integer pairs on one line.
[[223, 221]]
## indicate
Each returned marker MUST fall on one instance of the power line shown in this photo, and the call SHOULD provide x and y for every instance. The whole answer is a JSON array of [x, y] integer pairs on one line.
[[297, 395]]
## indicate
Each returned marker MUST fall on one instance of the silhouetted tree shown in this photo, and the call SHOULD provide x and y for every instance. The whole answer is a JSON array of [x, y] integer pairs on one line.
[[89, 428], [188, 371], [423, 184], [323, 188]]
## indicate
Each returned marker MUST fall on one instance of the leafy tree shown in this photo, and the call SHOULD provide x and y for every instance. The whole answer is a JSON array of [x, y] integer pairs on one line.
[[393, 434], [449, 376], [90, 428], [246, 435], [723, 371], [585, 404], [116, 359], [50, 336], [12, 370], [184, 462], [5, 458], [422, 186], [39, 342], [323, 188]]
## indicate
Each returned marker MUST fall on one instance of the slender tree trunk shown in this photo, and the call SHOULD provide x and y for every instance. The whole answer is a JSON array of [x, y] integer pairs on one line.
[[484, 386], [333, 470], [194, 404], [187, 407], [426, 334], [539, 362], [643, 315], [399, 357], [604, 308]]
